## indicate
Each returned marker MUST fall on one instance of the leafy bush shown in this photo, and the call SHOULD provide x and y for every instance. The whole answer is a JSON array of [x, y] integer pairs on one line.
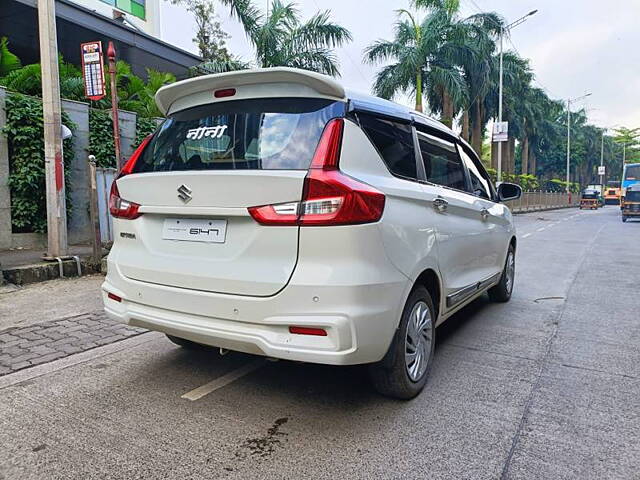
[[101, 138], [25, 134], [144, 128]]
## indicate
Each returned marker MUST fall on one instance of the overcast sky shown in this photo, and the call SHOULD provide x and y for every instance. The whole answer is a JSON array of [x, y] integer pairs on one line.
[[575, 46]]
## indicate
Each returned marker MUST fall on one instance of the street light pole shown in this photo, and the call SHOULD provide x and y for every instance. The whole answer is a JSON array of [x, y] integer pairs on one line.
[[52, 120], [569, 102], [499, 174], [602, 159], [500, 81], [568, 141]]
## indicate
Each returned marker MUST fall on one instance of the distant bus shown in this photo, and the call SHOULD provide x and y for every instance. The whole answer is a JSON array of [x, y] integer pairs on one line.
[[630, 176]]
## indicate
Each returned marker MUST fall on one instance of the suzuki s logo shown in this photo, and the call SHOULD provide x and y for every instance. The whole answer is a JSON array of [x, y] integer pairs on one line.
[[184, 193]]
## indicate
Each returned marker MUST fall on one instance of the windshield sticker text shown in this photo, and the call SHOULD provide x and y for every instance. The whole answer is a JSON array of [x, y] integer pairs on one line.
[[210, 132]]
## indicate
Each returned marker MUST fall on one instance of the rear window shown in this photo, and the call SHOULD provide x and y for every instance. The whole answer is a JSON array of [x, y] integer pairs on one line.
[[256, 134], [394, 142]]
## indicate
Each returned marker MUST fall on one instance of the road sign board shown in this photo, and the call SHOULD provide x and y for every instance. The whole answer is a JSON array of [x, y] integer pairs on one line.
[[601, 170], [93, 70], [500, 131]]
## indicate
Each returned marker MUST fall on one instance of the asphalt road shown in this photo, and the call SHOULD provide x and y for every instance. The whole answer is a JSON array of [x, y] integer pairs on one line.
[[544, 387]]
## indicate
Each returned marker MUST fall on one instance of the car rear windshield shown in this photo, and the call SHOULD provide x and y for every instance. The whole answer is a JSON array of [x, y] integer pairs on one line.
[[258, 134]]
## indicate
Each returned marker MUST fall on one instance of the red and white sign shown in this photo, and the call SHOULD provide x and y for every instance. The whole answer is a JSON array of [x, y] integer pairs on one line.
[[93, 70]]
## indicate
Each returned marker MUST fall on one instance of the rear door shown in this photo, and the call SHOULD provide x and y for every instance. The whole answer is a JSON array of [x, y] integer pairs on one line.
[[463, 246], [195, 180]]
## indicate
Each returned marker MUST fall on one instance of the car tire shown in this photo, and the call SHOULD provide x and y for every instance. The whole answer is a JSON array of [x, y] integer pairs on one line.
[[184, 343], [502, 291], [404, 370], [624, 219]]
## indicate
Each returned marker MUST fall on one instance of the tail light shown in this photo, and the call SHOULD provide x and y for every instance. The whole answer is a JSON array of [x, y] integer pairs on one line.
[[329, 197], [118, 206]]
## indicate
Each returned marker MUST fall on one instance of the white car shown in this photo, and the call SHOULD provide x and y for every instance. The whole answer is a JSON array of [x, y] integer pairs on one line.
[[276, 214]]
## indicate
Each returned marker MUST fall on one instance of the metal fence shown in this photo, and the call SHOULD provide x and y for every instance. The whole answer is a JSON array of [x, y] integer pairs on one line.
[[104, 179], [535, 201]]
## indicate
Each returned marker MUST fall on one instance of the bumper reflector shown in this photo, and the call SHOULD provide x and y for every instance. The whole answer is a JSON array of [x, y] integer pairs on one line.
[[320, 332], [114, 297]]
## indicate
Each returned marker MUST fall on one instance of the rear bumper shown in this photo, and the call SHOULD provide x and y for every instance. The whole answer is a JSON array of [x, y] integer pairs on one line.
[[357, 301], [359, 320]]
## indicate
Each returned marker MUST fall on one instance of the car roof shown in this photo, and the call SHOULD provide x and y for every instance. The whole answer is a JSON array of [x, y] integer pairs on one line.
[[315, 84], [364, 102]]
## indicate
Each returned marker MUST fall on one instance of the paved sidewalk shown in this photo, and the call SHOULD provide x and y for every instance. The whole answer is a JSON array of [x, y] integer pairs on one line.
[[24, 347]]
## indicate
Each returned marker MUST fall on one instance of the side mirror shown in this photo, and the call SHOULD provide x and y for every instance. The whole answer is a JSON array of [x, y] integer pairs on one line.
[[509, 191]]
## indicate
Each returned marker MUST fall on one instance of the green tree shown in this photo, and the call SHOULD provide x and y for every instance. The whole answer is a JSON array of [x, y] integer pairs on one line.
[[28, 80], [629, 139], [8, 61], [423, 60], [210, 37], [281, 38], [137, 95]]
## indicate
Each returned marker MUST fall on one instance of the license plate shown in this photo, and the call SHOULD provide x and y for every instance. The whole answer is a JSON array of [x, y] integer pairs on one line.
[[190, 230]]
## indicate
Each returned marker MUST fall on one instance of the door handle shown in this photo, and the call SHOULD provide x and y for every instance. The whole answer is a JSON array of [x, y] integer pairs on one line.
[[484, 213], [440, 204]]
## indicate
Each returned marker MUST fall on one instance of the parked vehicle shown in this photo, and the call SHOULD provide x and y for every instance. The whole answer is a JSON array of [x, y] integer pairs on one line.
[[630, 176], [612, 195], [631, 206], [590, 199], [275, 214]]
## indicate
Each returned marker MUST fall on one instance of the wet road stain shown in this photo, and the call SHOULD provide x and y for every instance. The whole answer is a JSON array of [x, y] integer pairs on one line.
[[265, 445]]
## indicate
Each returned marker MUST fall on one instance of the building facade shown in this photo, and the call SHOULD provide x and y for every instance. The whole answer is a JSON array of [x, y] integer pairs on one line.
[[141, 14]]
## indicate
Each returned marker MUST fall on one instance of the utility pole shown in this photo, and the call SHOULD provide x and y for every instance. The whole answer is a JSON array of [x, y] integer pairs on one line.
[[568, 142], [602, 159], [569, 102], [52, 113], [111, 53], [500, 86]]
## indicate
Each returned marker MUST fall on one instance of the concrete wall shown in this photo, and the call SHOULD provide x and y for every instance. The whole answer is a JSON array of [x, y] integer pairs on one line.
[[79, 225], [5, 199]]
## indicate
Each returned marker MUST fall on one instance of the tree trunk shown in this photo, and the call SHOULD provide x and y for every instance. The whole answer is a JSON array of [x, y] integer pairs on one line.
[[512, 154], [447, 108], [532, 159], [494, 155], [419, 91], [476, 129], [525, 155], [465, 125]]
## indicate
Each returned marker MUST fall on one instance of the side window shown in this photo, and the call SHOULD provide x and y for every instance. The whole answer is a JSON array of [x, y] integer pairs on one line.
[[394, 141], [442, 164], [479, 184]]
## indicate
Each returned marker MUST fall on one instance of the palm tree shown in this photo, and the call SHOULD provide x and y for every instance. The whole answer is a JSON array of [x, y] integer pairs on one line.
[[479, 69], [424, 60], [135, 94], [8, 61], [28, 80], [282, 39]]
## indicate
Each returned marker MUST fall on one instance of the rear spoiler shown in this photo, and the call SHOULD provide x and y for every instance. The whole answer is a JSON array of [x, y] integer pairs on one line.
[[201, 89]]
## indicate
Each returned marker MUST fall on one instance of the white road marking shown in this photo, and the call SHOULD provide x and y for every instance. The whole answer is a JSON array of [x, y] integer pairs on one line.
[[541, 229], [526, 235], [223, 381]]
